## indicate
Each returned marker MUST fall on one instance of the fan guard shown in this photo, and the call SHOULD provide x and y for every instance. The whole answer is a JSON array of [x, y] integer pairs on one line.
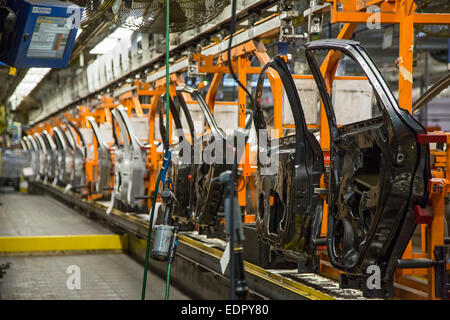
[[93, 9], [150, 15]]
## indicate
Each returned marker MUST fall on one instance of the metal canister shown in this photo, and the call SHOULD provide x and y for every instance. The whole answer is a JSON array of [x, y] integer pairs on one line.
[[162, 242]]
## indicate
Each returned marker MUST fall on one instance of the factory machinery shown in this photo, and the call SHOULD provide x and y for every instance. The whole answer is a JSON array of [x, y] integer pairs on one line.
[[341, 192]]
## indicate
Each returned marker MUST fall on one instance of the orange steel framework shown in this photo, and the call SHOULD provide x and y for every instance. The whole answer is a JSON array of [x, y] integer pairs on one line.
[[352, 13], [92, 158]]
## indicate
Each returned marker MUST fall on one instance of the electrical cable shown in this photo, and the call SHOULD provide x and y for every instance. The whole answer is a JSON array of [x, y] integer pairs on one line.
[[158, 180]]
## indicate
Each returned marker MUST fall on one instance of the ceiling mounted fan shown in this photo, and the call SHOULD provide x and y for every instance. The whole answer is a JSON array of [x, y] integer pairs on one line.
[[149, 15]]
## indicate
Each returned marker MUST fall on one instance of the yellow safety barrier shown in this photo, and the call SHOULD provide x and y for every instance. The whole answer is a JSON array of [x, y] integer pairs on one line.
[[63, 243]]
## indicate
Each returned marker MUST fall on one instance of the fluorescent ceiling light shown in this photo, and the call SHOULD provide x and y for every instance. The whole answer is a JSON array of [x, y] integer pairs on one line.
[[28, 83], [107, 45]]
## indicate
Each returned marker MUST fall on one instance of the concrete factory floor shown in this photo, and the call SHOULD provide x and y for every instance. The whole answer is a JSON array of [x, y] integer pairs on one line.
[[40, 215], [104, 275]]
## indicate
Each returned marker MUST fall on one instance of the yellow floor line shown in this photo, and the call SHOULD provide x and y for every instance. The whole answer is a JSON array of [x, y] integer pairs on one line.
[[63, 243]]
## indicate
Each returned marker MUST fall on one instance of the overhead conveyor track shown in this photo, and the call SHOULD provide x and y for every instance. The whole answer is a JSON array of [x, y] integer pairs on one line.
[[269, 26]]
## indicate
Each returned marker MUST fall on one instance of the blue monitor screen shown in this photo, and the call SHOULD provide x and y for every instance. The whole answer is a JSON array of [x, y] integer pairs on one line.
[[49, 38]]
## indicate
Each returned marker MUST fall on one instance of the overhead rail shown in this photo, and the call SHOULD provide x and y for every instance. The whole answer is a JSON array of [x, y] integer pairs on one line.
[[177, 50]]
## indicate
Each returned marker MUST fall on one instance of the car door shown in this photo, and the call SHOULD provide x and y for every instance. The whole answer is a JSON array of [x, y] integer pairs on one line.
[[209, 194], [182, 168], [28, 146], [36, 156], [289, 212], [31, 154], [23, 144], [43, 166], [70, 155], [121, 178], [63, 156], [104, 161], [50, 155], [378, 171], [78, 178], [133, 171]]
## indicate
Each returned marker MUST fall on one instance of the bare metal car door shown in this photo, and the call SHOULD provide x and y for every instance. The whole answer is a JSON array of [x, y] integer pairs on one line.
[[104, 161], [51, 156], [289, 212], [24, 144], [42, 155], [35, 157], [63, 156], [29, 153], [69, 157], [182, 168], [378, 173], [209, 194], [131, 157], [27, 145], [79, 154]]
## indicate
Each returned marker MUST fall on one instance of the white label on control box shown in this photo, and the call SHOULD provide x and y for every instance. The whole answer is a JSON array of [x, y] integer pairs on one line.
[[42, 10]]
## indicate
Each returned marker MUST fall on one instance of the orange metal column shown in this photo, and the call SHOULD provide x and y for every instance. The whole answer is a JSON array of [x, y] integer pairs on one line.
[[405, 77], [242, 106], [405, 61], [212, 92]]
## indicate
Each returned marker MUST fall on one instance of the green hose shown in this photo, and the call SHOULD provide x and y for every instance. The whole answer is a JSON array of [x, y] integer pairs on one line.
[[149, 235], [168, 281]]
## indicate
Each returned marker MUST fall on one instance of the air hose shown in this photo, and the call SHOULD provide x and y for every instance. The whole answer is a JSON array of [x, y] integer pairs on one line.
[[158, 180]]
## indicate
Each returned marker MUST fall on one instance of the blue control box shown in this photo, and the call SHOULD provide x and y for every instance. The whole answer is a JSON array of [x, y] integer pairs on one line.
[[45, 32]]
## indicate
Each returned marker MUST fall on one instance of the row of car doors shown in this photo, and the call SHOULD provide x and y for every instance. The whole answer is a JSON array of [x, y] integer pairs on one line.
[[377, 170], [60, 158]]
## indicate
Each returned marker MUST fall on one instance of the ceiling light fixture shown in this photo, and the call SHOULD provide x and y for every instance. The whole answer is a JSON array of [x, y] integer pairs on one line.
[[28, 83]]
